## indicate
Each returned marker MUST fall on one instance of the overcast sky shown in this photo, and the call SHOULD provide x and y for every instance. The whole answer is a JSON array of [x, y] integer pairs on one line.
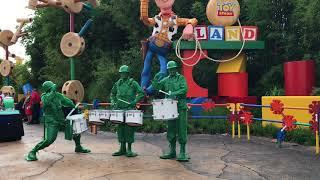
[[10, 10]]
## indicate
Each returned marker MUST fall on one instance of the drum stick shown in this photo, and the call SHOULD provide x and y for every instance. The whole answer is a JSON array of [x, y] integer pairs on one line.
[[124, 101], [164, 92], [73, 109]]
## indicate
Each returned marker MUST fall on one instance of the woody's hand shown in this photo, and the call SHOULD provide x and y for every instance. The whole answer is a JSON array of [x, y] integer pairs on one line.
[[188, 33]]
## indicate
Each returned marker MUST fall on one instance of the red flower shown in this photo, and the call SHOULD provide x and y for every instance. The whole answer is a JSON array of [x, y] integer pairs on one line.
[[289, 122], [246, 117], [314, 125], [277, 107], [314, 107], [208, 105]]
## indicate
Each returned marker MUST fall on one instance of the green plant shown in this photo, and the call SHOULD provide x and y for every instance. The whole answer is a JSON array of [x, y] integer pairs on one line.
[[275, 91], [315, 91]]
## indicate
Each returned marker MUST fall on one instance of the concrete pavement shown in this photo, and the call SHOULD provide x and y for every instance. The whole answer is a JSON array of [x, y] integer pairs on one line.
[[212, 157]]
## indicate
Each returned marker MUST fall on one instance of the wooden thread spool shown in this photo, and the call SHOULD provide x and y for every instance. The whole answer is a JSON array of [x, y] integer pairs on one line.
[[72, 44], [18, 33], [223, 12], [8, 90], [32, 4], [74, 90], [72, 6], [5, 37], [6, 67]]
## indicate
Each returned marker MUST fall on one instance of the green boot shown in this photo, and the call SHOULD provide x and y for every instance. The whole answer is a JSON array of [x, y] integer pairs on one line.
[[122, 150], [183, 156], [129, 152], [80, 149], [32, 156], [172, 154]]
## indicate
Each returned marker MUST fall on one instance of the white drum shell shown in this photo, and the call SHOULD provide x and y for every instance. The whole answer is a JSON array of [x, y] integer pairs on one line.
[[117, 116], [134, 117], [94, 117], [79, 123], [165, 109], [104, 114]]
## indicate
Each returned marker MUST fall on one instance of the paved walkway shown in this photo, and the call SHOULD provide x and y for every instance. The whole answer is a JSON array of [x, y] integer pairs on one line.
[[212, 157]]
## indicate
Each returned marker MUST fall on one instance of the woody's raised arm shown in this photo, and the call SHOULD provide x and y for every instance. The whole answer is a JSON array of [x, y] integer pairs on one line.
[[186, 21], [144, 13]]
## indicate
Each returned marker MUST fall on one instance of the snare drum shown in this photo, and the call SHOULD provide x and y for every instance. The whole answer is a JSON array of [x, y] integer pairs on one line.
[[104, 115], [134, 117], [165, 109], [94, 117], [79, 123], [117, 116]]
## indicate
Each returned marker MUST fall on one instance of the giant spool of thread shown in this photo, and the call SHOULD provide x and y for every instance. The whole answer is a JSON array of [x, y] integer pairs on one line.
[[6, 68], [8, 90], [5, 37], [72, 6], [223, 12], [74, 90], [72, 44]]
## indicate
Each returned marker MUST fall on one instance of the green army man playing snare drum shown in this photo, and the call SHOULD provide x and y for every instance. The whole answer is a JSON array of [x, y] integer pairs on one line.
[[176, 87], [125, 90], [52, 102]]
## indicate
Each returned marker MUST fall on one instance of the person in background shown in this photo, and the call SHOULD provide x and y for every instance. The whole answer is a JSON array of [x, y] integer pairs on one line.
[[28, 108], [35, 100], [1, 100], [19, 106], [1, 95]]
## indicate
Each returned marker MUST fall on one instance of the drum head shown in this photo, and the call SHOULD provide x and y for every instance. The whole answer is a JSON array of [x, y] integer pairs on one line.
[[116, 122], [96, 123], [134, 124]]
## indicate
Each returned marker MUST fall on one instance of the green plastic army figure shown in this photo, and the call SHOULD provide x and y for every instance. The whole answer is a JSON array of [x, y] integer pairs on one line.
[[175, 85], [52, 102], [125, 89]]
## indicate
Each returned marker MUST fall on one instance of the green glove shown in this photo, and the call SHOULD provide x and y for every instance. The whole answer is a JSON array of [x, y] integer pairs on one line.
[[133, 103], [172, 95]]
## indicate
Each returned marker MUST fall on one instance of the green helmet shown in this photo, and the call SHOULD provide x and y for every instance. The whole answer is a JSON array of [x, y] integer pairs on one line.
[[124, 68], [171, 64], [46, 86]]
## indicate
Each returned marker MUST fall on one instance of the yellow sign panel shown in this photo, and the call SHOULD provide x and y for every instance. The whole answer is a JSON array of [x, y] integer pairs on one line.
[[302, 116]]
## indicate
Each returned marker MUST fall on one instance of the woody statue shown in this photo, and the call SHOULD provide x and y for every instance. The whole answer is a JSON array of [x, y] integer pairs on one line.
[[165, 25]]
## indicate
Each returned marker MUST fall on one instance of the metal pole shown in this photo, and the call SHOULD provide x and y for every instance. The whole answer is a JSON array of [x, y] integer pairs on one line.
[[72, 63], [7, 81]]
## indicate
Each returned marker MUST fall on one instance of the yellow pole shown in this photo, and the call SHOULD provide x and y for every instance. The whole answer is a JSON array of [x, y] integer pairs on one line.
[[239, 129], [317, 142], [248, 131], [233, 130]]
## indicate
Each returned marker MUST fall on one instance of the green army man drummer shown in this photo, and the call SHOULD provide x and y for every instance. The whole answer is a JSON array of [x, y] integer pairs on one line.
[[175, 84], [52, 102], [125, 89]]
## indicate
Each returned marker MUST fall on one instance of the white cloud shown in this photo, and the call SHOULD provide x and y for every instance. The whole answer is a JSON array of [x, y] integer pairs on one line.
[[10, 10]]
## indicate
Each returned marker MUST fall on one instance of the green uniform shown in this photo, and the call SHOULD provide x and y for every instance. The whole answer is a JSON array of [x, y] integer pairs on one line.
[[128, 90], [175, 84], [54, 120]]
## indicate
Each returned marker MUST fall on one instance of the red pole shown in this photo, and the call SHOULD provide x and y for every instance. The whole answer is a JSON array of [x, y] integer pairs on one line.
[[71, 22], [7, 53]]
